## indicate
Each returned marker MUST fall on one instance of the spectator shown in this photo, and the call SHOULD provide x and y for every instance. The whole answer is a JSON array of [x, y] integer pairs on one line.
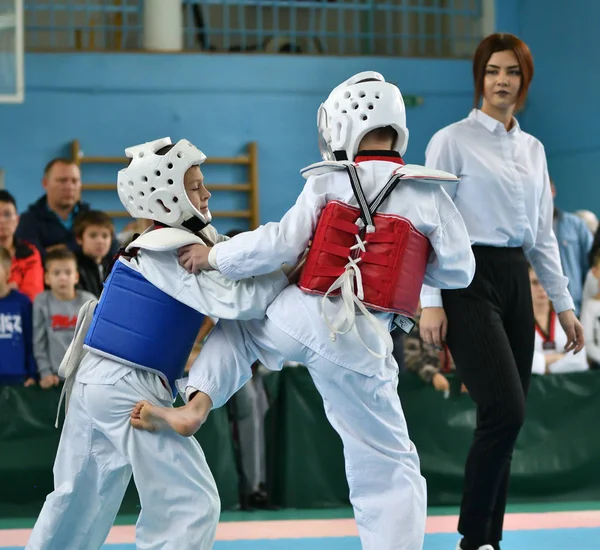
[[249, 407], [427, 362], [550, 338], [94, 232], [424, 359], [574, 244], [49, 221], [590, 317], [17, 365], [591, 287], [26, 271], [55, 314]]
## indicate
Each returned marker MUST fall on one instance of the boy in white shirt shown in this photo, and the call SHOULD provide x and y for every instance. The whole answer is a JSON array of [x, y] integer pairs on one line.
[[136, 345], [378, 255]]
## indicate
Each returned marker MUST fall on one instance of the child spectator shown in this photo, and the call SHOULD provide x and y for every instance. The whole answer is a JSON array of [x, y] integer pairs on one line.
[[55, 314], [94, 232], [26, 271], [17, 365]]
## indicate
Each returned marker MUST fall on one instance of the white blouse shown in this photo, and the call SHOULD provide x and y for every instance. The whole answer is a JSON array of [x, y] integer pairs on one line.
[[503, 195]]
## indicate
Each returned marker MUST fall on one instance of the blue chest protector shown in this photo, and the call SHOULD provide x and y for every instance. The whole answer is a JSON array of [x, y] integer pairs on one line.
[[139, 325]]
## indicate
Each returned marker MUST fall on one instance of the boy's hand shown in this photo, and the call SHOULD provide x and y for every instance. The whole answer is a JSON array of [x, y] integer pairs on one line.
[[49, 381], [194, 258], [29, 382]]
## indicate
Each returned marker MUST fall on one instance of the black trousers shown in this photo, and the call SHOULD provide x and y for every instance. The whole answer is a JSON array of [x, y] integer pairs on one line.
[[491, 331]]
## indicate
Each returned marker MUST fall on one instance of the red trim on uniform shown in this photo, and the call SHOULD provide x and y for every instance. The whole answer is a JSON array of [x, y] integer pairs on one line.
[[549, 337], [364, 158]]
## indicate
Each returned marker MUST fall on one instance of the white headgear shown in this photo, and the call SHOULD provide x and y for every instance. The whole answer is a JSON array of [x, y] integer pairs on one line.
[[354, 108], [152, 186]]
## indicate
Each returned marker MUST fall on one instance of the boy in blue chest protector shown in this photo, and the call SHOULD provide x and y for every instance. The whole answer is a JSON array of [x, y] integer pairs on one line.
[[133, 344]]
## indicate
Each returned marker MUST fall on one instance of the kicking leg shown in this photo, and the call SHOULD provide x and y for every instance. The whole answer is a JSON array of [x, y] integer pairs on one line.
[[221, 368], [186, 420]]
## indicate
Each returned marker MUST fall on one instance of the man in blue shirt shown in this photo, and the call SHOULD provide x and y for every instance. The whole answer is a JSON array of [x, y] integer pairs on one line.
[[49, 220], [574, 243]]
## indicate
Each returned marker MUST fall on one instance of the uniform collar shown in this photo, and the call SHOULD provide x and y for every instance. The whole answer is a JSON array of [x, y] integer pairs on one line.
[[491, 124], [387, 156]]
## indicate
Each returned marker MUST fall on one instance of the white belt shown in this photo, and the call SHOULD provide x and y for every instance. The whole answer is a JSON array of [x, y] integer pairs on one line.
[[75, 353]]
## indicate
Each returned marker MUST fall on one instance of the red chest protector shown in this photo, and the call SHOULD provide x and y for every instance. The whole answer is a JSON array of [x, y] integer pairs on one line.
[[387, 254]]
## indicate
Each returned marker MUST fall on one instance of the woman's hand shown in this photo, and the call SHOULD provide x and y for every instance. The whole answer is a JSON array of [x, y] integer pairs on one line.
[[433, 326]]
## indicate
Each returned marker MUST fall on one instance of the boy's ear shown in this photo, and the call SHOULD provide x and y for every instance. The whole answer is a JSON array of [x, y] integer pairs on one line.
[[46, 279]]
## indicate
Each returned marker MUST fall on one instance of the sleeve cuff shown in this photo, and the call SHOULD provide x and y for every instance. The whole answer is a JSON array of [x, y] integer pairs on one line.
[[222, 263], [431, 300], [212, 258], [563, 304], [43, 373]]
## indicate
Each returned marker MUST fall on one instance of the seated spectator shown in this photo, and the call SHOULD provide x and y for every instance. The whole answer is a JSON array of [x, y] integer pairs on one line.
[[94, 231], [423, 359], [55, 314], [48, 222], [550, 338], [591, 286], [590, 318], [17, 365], [26, 271]]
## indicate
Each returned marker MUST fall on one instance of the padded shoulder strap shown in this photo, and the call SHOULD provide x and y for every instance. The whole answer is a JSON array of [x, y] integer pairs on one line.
[[422, 173], [163, 239], [325, 167]]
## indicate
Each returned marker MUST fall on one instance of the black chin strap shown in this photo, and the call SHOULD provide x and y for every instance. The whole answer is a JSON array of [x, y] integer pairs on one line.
[[195, 225]]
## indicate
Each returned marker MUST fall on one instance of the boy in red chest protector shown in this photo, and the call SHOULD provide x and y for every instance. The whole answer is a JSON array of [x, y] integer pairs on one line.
[[378, 229]]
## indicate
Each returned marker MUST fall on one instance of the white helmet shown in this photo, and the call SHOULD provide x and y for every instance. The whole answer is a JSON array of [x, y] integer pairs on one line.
[[356, 107], [152, 185]]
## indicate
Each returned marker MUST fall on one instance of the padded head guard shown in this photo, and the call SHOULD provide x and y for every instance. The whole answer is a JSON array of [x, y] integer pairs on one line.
[[152, 186], [362, 103]]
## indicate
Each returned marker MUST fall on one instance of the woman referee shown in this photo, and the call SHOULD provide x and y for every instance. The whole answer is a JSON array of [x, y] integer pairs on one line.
[[504, 197]]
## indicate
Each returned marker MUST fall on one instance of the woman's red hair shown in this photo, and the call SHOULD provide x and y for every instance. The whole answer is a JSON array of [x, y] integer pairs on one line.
[[500, 42]]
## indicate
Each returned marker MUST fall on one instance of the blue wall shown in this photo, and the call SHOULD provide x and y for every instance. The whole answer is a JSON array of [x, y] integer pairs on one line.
[[563, 109], [219, 102]]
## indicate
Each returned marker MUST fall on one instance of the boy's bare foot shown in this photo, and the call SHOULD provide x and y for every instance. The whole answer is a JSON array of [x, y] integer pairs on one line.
[[185, 420]]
